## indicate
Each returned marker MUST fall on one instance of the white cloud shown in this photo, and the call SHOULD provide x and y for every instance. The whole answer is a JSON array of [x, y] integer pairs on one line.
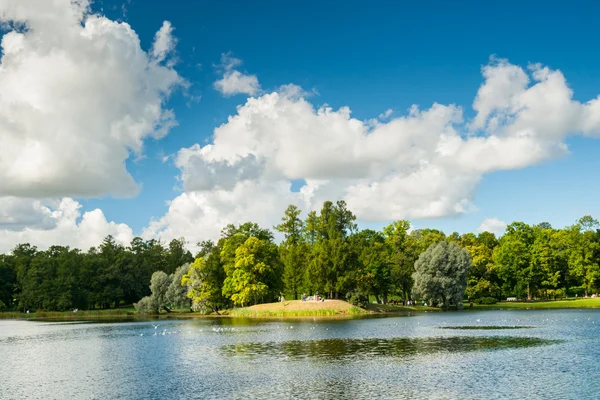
[[233, 81], [201, 215], [386, 114], [164, 42], [425, 164], [56, 223], [17, 213], [77, 95], [492, 225]]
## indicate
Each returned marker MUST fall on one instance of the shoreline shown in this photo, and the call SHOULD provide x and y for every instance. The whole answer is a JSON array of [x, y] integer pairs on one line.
[[333, 309]]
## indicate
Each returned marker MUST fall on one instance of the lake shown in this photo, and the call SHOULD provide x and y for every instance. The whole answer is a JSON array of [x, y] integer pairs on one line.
[[552, 354]]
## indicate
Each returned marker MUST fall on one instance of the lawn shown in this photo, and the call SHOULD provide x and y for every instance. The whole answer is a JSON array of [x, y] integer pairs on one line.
[[299, 308], [92, 314], [532, 305]]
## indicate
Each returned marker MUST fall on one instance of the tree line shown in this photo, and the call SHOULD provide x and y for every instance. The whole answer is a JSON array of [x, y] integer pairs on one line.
[[323, 252]]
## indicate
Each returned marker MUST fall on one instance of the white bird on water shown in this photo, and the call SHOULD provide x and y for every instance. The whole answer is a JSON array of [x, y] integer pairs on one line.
[[155, 326]]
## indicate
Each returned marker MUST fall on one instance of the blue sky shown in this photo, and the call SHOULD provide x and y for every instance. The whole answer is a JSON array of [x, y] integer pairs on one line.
[[386, 55], [370, 57]]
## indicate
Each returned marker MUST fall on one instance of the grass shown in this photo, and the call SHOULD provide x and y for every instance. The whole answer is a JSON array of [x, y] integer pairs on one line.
[[298, 308], [392, 308], [538, 305], [92, 314]]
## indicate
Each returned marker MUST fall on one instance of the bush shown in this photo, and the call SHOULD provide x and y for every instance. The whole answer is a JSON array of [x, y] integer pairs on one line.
[[146, 305], [357, 298], [486, 300], [2, 306]]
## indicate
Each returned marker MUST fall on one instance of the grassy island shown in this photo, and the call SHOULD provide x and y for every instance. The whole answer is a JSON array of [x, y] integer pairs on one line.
[[299, 308]]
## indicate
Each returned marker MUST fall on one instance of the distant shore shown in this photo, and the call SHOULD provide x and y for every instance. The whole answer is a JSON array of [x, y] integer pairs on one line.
[[299, 309]]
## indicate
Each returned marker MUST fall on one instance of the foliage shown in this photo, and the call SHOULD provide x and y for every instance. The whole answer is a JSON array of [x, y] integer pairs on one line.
[[441, 274], [164, 292], [293, 250], [255, 266], [486, 300], [146, 305], [177, 291], [357, 298], [323, 253]]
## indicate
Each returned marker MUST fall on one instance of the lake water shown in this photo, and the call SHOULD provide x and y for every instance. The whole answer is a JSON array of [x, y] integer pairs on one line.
[[555, 355]]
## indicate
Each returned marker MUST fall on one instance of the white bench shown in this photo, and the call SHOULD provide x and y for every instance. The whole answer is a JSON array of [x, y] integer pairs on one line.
[[511, 299]]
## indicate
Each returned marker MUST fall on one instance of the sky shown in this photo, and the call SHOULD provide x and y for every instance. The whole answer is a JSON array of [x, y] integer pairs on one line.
[[172, 119]]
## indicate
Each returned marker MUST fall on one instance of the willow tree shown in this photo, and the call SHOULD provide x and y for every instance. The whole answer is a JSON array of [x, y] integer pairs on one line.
[[441, 274]]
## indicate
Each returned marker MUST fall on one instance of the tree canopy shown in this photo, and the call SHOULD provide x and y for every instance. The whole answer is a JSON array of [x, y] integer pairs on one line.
[[324, 253]]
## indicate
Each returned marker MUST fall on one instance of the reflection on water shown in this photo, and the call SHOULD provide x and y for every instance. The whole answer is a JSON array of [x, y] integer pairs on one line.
[[337, 349], [485, 327], [557, 357]]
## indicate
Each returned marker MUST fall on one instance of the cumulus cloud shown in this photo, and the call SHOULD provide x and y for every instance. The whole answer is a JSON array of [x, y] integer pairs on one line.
[[17, 213], [201, 215], [492, 225], [77, 96], [426, 163], [56, 223], [233, 81]]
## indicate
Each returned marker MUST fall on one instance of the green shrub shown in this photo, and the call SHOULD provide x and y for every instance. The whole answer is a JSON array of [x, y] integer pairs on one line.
[[486, 300], [357, 298], [146, 305], [2, 306]]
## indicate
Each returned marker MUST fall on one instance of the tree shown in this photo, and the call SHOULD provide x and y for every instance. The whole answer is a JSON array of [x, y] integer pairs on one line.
[[8, 280], [293, 250], [177, 292], [374, 274], [584, 248], [177, 255], [254, 272], [159, 285], [441, 274], [483, 280], [513, 257], [403, 251], [204, 280], [329, 262]]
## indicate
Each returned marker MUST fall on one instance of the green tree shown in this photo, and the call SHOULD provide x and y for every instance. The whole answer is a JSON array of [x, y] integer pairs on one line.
[[293, 250], [441, 274], [374, 272], [483, 280], [177, 255], [513, 257], [177, 292], [584, 247], [159, 285], [205, 278], [256, 266], [403, 250], [8, 280]]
